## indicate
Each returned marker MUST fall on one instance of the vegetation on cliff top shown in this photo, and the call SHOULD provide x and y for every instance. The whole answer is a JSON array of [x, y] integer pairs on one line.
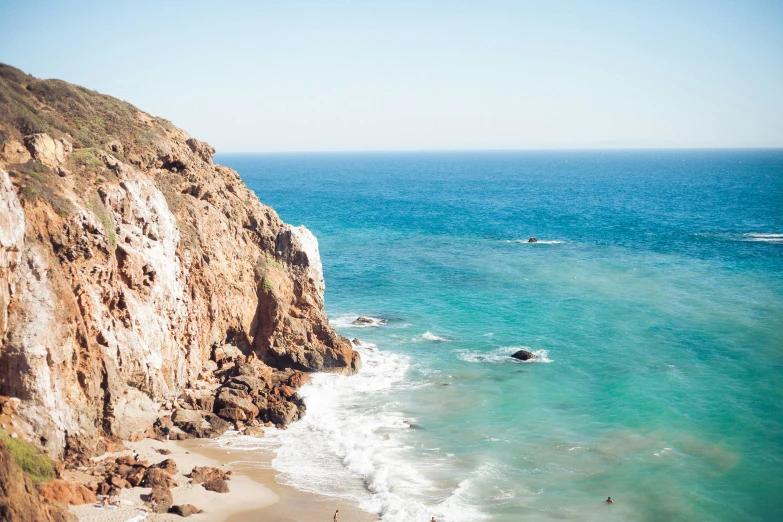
[[29, 105], [32, 461]]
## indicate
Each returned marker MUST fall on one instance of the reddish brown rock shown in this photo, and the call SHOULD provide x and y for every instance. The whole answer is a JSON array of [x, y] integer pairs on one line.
[[125, 460], [286, 391], [136, 477], [234, 414], [205, 473], [168, 465], [233, 399], [217, 485], [299, 379], [158, 477], [283, 413], [206, 402], [162, 498], [254, 432], [66, 493], [185, 510], [118, 482]]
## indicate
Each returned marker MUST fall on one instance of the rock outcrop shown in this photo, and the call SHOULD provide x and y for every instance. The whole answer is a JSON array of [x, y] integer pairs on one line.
[[139, 279], [523, 355]]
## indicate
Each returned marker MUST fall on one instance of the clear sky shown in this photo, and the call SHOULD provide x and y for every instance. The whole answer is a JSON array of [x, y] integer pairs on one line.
[[292, 75]]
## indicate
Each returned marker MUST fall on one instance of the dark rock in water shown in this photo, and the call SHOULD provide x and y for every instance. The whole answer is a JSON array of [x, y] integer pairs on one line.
[[532, 240], [185, 510], [363, 320], [356, 341], [524, 355]]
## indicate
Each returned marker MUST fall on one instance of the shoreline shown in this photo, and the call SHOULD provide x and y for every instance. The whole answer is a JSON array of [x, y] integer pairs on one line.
[[291, 504], [253, 490]]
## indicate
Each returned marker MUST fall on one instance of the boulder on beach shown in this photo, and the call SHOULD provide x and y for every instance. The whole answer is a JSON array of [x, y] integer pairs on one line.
[[158, 477], [217, 485], [523, 355], [206, 473], [185, 510], [162, 498]]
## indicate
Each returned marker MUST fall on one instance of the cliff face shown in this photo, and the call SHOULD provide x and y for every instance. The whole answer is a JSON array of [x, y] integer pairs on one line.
[[130, 265]]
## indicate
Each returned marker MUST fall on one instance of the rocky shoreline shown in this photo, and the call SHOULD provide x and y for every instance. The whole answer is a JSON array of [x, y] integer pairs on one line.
[[145, 292]]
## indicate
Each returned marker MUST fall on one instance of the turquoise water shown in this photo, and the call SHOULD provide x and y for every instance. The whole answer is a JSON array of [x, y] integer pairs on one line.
[[654, 301]]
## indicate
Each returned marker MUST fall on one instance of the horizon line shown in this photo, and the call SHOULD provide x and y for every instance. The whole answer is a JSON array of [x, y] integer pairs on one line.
[[564, 149]]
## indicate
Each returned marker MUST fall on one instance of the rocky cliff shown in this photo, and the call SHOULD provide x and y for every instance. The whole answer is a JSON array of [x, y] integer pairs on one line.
[[138, 278]]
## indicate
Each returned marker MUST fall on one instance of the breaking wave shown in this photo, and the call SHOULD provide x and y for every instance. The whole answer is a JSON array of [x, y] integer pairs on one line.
[[766, 238], [350, 445]]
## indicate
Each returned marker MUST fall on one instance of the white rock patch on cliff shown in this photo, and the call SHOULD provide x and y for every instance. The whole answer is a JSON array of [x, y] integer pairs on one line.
[[11, 243]]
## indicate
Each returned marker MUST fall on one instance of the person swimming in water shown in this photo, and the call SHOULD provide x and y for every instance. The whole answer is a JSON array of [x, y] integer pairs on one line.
[[609, 500]]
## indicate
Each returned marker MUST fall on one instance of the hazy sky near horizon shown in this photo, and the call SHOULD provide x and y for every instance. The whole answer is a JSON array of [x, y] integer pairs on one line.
[[341, 75]]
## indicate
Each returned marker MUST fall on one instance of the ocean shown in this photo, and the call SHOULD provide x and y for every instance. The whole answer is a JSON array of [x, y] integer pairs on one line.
[[653, 301]]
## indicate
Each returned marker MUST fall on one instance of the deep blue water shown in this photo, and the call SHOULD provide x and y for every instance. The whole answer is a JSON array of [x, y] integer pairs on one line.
[[654, 300]]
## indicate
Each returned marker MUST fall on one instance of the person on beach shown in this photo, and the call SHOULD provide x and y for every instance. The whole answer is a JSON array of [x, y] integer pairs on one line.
[[135, 456], [336, 515], [433, 519], [166, 432], [609, 500]]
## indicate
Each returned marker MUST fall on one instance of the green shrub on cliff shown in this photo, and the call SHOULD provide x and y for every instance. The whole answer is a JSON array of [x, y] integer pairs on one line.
[[87, 158], [32, 461]]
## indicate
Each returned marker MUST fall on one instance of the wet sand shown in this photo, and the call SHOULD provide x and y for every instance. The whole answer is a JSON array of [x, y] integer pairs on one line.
[[291, 505]]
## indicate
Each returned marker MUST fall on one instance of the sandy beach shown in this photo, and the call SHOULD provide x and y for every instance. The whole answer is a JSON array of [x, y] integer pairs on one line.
[[253, 492]]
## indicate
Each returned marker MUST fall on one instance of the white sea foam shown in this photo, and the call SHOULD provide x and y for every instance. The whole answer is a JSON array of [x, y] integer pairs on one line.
[[429, 336], [766, 238], [349, 321], [502, 355], [350, 444]]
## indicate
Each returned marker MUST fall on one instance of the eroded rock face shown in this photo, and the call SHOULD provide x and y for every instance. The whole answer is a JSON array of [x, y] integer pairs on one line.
[[12, 226], [121, 282]]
